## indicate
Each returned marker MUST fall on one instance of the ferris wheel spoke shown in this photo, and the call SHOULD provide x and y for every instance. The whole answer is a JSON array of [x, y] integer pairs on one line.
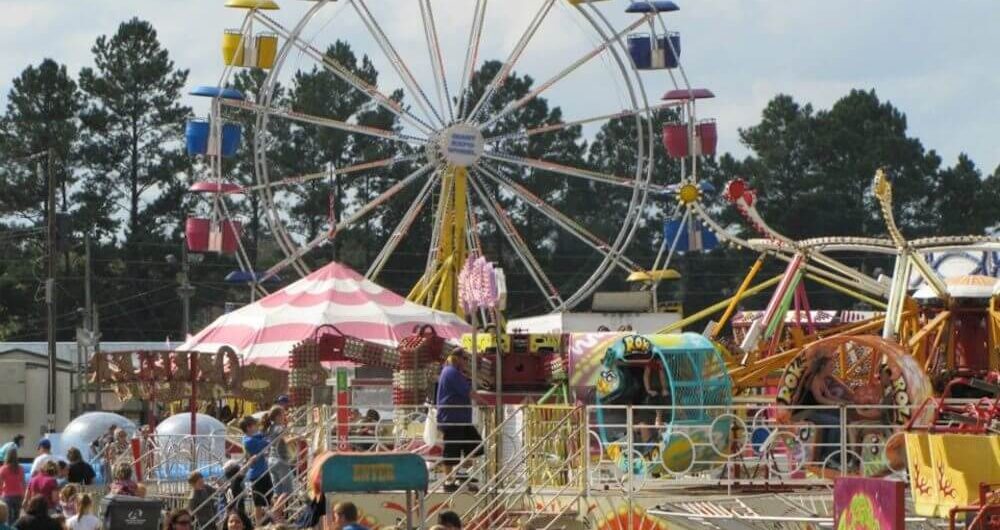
[[560, 219], [301, 179], [569, 171], [587, 57], [345, 223], [399, 233], [404, 72], [526, 133], [325, 122], [437, 60], [509, 230], [471, 54], [500, 78], [338, 69]]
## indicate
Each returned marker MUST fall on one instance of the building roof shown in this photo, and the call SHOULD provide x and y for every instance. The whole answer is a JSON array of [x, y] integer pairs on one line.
[[67, 351]]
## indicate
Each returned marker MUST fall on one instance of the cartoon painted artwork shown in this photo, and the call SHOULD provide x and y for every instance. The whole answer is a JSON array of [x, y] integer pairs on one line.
[[609, 516], [868, 504]]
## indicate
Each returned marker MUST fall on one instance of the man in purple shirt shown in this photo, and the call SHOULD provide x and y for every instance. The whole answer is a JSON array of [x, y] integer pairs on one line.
[[454, 416]]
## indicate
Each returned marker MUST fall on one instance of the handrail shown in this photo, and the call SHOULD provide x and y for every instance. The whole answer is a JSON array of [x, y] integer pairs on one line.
[[503, 503], [496, 432], [293, 418], [504, 472]]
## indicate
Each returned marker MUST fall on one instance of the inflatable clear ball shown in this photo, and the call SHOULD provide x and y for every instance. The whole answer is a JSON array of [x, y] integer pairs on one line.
[[178, 453], [82, 431], [180, 425]]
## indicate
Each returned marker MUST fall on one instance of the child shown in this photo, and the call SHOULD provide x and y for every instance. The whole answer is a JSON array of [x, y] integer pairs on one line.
[[85, 518], [254, 446], [68, 500], [123, 484], [199, 502], [235, 499], [44, 485], [12, 486]]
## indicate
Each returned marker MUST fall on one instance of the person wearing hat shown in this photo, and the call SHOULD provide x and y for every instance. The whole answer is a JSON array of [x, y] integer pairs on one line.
[[454, 416], [14, 444], [283, 401], [44, 456]]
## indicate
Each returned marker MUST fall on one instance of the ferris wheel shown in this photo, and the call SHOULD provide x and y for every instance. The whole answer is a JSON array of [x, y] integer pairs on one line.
[[465, 163]]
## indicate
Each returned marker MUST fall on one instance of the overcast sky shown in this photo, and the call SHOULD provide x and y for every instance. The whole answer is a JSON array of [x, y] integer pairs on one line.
[[937, 61]]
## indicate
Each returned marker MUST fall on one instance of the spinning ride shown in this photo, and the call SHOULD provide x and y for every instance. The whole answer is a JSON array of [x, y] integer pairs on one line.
[[467, 153]]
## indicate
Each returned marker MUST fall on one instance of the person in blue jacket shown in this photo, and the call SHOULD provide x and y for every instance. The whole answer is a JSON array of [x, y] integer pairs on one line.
[[454, 415], [255, 447]]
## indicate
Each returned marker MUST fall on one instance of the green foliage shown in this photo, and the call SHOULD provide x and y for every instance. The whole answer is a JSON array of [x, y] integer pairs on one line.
[[133, 127], [40, 119], [116, 138]]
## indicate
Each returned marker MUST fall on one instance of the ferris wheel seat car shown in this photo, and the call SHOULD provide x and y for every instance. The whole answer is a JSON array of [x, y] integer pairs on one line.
[[243, 49], [198, 138], [649, 53], [206, 235], [675, 138]]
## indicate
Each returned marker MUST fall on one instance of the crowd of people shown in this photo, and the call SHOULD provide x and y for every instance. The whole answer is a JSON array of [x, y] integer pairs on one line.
[[50, 498]]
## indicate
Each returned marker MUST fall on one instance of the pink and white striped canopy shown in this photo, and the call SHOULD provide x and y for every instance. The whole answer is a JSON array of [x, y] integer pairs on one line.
[[265, 332]]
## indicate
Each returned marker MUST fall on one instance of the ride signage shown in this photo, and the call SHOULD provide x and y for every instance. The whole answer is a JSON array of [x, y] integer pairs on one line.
[[372, 473]]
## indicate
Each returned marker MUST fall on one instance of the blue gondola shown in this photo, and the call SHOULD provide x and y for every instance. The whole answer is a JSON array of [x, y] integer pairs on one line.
[[693, 236], [656, 6], [198, 132], [645, 56]]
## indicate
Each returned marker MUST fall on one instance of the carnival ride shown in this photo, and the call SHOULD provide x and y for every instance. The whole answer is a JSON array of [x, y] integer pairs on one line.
[[466, 156], [468, 153]]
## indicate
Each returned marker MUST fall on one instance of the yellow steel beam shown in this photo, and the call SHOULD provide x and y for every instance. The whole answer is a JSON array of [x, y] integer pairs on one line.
[[929, 327], [719, 306], [735, 300], [745, 376]]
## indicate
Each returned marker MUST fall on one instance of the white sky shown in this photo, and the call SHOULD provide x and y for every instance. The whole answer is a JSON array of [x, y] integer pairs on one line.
[[936, 61]]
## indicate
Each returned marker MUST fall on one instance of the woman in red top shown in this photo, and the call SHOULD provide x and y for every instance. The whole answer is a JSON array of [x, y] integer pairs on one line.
[[12, 485], [45, 485]]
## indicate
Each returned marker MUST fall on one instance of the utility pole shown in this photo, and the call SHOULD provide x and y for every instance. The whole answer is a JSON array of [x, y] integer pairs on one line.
[[50, 291], [88, 335], [96, 318], [185, 291]]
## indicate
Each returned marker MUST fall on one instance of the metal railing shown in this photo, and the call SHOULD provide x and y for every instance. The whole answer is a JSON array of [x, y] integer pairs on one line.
[[288, 508], [645, 447], [540, 453]]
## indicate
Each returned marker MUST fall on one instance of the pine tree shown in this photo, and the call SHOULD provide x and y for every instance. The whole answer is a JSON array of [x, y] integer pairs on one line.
[[133, 127], [135, 167], [40, 120]]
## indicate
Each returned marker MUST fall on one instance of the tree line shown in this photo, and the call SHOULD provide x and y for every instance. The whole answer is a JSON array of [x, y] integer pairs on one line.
[[112, 137]]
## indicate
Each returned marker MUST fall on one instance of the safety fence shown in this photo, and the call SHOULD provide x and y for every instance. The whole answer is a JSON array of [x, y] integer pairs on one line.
[[646, 447], [525, 456]]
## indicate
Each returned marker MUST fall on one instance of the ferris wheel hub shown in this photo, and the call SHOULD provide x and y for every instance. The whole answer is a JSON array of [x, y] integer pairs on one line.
[[460, 145]]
